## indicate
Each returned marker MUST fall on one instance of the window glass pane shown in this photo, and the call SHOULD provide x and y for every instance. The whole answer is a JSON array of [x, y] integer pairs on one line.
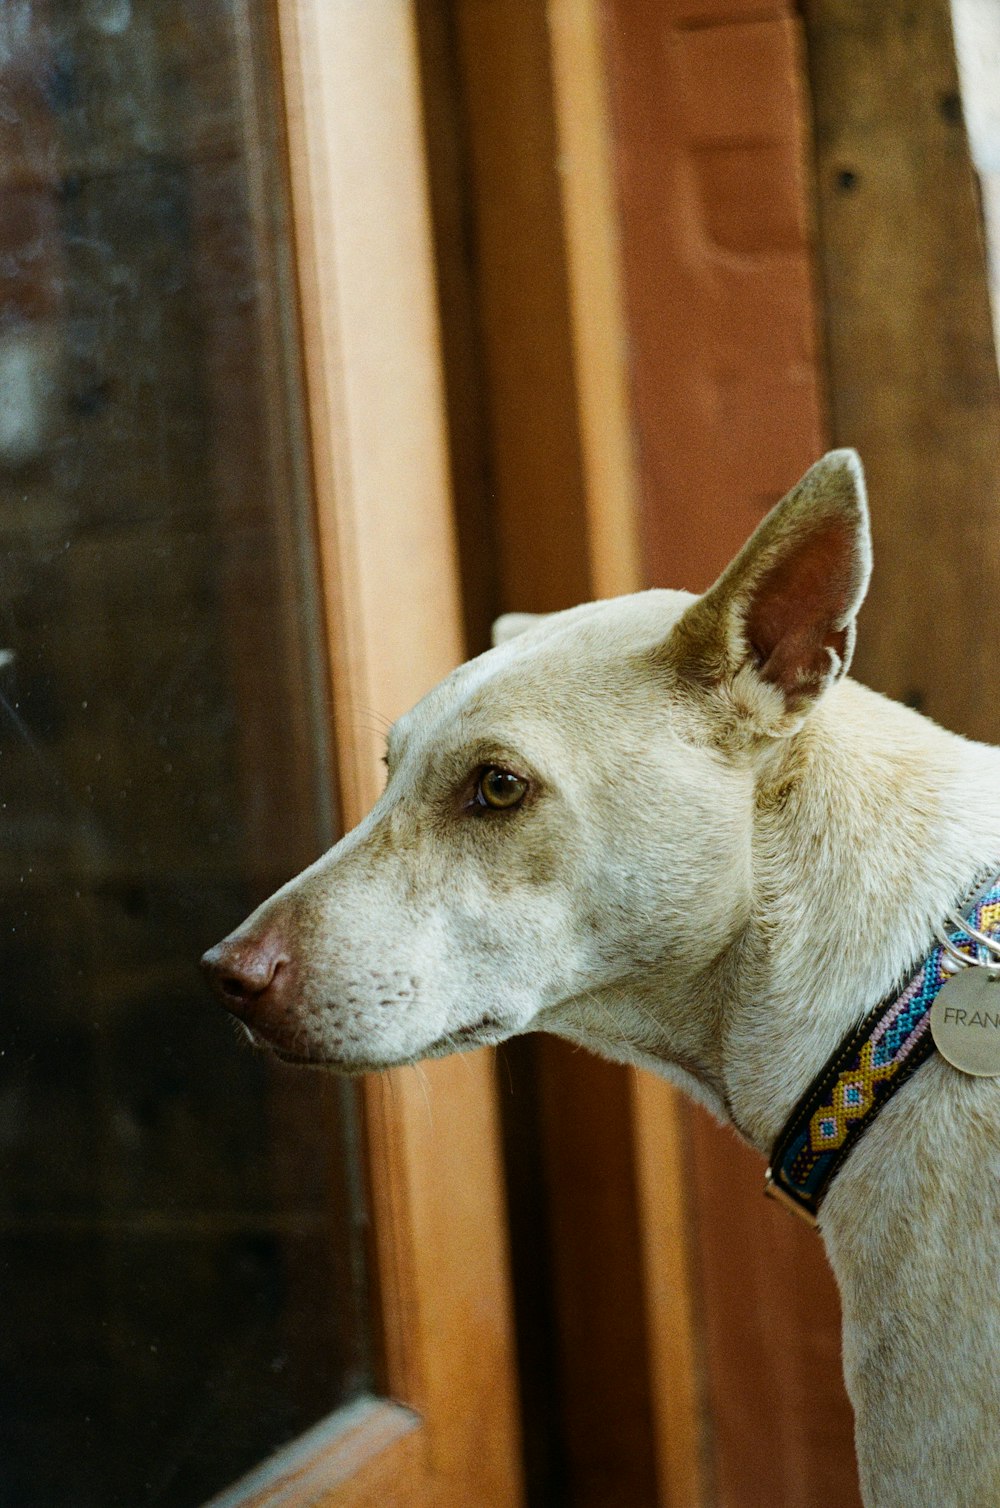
[[180, 1257]]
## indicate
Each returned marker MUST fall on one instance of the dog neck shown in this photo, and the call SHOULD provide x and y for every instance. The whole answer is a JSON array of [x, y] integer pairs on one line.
[[875, 826], [868, 826], [887, 828], [872, 825]]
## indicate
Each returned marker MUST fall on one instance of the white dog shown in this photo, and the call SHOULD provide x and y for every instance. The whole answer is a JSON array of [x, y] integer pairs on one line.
[[671, 821]]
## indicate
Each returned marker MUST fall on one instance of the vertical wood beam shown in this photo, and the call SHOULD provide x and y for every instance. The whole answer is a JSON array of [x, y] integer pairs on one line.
[[597, 314], [912, 362], [656, 1143]]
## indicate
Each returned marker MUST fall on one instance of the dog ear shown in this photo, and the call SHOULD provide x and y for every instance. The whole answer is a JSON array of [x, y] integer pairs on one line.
[[777, 628], [512, 624]]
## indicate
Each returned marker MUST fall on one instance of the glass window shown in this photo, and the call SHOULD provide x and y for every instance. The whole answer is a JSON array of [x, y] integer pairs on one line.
[[181, 1266]]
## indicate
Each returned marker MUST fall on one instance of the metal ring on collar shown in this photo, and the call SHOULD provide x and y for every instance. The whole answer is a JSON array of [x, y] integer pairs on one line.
[[987, 942]]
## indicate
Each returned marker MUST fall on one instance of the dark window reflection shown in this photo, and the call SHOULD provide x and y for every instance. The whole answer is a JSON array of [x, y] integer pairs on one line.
[[180, 1270]]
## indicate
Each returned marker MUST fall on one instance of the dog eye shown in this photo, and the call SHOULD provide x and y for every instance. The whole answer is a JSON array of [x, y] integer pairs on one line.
[[500, 789]]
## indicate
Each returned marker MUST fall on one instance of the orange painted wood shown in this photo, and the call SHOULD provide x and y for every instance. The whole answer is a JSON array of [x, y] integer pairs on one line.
[[535, 465], [678, 1399], [596, 308], [369, 331]]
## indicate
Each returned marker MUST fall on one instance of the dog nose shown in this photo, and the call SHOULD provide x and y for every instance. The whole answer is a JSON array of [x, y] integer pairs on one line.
[[242, 972]]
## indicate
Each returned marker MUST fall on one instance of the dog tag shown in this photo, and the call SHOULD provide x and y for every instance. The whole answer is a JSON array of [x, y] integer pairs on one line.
[[965, 1021]]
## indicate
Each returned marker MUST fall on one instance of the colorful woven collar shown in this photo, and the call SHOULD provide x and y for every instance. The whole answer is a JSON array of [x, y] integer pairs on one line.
[[865, 1071]]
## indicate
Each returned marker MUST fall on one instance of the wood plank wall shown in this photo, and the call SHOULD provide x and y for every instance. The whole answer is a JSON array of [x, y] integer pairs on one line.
[[912, 361]]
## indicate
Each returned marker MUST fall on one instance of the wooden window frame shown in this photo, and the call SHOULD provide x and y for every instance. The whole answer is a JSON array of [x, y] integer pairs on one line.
[[444, 1427]]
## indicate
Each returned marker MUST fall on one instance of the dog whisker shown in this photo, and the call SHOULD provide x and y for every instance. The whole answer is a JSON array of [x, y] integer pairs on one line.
[[243, 1033], [458, 1049], [376, 721], [501, 1057], [422, 1081]]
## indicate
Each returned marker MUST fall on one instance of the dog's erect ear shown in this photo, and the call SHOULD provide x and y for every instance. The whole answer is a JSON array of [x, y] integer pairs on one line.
[[777, 628], [512, 624]]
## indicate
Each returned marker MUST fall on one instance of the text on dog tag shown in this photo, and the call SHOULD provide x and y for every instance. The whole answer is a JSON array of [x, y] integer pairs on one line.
[[965, 1021]]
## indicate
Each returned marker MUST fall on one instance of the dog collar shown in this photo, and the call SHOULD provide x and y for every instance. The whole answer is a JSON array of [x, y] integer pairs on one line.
[[867, 1069]]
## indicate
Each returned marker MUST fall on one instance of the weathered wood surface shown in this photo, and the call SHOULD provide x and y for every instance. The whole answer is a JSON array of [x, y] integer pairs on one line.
[[912, 362]]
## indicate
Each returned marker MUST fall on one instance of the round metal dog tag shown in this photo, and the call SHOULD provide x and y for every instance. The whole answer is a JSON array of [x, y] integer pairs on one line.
[[965, 1021]]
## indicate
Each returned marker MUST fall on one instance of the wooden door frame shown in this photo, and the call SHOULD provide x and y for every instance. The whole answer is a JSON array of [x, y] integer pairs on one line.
[[443, 1428]]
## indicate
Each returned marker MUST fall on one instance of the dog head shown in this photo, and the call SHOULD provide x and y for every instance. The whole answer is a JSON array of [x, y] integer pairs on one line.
[[567, 820]]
